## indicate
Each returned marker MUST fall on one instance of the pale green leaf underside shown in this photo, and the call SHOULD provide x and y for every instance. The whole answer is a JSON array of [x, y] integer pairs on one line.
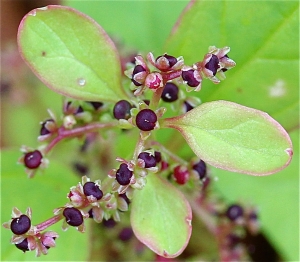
[[234, 137], [71, 54], [161, 217]]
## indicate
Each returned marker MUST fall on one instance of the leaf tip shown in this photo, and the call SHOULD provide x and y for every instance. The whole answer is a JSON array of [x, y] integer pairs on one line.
[[289, 151], [165, 254], [189, 221]]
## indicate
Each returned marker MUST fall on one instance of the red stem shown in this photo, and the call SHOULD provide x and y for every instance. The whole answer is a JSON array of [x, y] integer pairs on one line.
[[171, 75], [66, 133], [49, 222]]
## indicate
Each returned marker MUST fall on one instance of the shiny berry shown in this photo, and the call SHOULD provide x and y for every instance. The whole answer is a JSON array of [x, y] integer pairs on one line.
[[123, 175], [187, 106], [213, 64], [181, 174], [91, 215], [81, 168], [91, 189], [126, 234], [146, 120], [137, 69], [171, 59], [20, 225], [73, 216], [234, 212], [189, 77], [23, 245], [157, 156], [96, 105], [170, 93], [149, 159], [44, 130], [72, 108], [165, 62], [124, 196], [33, 159], [200, 168], [122, 110], [79, 110], [110, 223]]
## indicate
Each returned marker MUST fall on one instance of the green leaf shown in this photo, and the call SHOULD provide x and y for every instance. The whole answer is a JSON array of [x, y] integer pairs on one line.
[[71, 54], [43, 193], [264, 42], [161, 217], [234, 137]]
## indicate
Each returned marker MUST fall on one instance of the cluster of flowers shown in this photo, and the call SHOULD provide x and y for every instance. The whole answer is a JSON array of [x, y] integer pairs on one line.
[[98, 200], [105, 199], [214, 64]]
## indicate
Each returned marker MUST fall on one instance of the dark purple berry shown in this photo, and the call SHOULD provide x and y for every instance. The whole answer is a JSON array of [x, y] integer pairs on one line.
[[147, 101], [80, 168], [33, 159], [137, 69], [253, 216], [189, 77], [233, 240], [20, 225], [79, 110], [146, 120], [124, 196], [170, 93], [44, 130], [96, 105], [126, 234], [157, 156], [91, 189], [213, 64], [181, 174], [110, 223], [171, 60], [71, 108], [48, 246], [122, 109], [91, 215], [149, 159], [23, 245], [200, 168], [123, 175], [188, 106], [234, 212], [73, 216]]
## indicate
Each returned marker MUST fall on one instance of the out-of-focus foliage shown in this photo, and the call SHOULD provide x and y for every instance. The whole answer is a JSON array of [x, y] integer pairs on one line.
[[264, 40]]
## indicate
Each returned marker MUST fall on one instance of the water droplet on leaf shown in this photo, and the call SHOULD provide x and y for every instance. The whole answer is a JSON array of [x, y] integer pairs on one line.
[[81, 81]]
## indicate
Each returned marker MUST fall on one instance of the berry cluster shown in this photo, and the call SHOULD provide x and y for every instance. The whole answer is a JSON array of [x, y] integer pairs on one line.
[[103, 197]]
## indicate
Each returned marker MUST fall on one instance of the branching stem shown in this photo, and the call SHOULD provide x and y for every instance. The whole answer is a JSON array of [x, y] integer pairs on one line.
[[67, 133]]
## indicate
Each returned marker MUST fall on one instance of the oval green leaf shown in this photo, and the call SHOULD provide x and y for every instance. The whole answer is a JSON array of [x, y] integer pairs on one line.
[[71, 54], [234, 137], [161, 217]]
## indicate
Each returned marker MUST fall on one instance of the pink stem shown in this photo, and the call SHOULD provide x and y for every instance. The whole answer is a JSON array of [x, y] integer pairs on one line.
[[49, 222], [66, 133], [171, 75]]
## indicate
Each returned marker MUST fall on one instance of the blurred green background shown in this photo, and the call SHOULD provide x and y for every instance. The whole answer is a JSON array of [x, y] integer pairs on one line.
[[264, 38]]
